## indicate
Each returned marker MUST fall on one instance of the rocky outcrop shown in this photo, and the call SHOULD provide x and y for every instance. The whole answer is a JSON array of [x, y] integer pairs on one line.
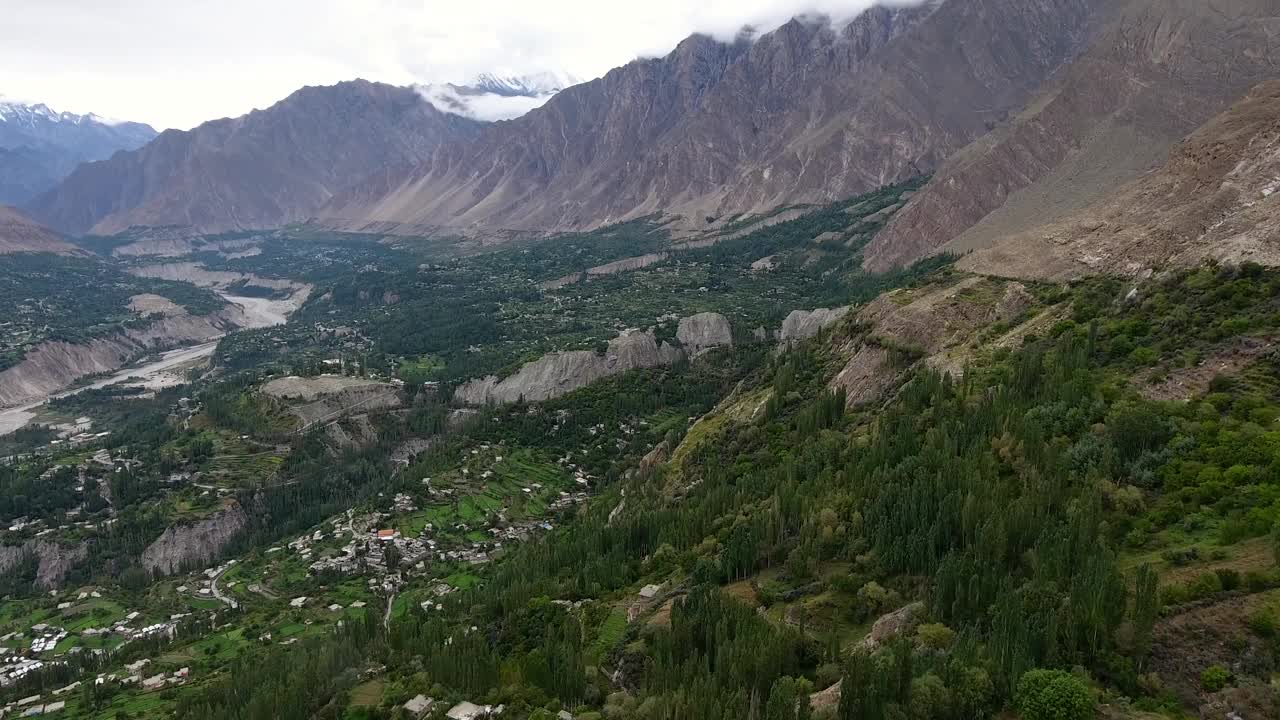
[[353, 432], [934, 324], [53, 366], [54, 560], [194, 543], [626, 264], [804, 324], [867, 375], [558, 373], [703, 332], [891, 625], [934, 319]]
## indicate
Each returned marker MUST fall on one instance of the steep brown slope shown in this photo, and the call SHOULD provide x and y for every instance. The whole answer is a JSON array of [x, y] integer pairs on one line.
[[805, 113], [1159, 70], [1218, 196], [20, 234], [259, 170]]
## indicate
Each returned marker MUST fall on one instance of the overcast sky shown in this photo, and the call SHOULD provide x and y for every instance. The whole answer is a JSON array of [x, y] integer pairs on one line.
[[177, 63]]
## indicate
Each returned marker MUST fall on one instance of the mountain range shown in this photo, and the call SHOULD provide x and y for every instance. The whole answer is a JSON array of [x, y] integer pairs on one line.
[[1023, 111], [40, 146]]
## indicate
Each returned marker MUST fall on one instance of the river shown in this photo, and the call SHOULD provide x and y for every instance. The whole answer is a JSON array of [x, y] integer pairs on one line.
[[159, 373]]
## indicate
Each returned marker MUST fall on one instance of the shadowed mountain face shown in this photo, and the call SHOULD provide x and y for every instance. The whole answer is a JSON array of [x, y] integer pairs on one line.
[[1159, 69], [266, 168], [39, 146], [803, 114]]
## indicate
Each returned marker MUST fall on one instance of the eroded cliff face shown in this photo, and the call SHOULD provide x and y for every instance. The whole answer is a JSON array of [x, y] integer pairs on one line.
[[54, 365], [703, 332], [54, 559], [558, 373], [194, 543]]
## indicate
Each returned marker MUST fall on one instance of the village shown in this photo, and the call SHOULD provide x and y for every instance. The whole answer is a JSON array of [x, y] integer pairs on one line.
[[411, 549]]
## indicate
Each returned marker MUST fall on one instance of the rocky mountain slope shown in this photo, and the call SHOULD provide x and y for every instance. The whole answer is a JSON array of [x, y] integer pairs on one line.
[[39, 146], [805, 113], [260, 170], [1158, 70], [1218, 196], [20, 234]]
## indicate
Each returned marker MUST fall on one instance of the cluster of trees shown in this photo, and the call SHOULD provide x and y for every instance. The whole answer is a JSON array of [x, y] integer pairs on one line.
[[304, 681]]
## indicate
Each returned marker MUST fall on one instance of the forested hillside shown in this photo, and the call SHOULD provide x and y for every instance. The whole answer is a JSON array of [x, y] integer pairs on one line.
[[1035, 531]]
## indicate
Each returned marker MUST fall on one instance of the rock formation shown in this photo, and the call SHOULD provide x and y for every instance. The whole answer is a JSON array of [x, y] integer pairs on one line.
[[904, 327], [702, 332], [195, 542], [54, 560], [558, 373], [804, 324]]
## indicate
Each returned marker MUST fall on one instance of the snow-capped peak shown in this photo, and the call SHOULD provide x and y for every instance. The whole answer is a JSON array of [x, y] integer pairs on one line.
[[39, 113], [492, 96], [542, 83]]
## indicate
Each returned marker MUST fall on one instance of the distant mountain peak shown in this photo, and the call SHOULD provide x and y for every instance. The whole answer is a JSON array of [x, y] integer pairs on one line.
[[533, 85], [12, 110], [496, 96], [40, 146]]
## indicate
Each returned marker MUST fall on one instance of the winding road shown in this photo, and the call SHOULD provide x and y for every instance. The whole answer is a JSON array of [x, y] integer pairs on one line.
[[217, 593]]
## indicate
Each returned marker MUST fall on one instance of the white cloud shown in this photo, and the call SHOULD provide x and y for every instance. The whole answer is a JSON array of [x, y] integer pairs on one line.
[[176, 63], [486, 106]]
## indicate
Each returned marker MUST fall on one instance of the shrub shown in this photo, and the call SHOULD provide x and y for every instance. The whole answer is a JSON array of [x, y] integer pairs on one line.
[[1214, 678], [1054, 695], [930, 698], [1230, 579], [1263, 622], [935, 636], [1181, 556], [1204, 585]]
